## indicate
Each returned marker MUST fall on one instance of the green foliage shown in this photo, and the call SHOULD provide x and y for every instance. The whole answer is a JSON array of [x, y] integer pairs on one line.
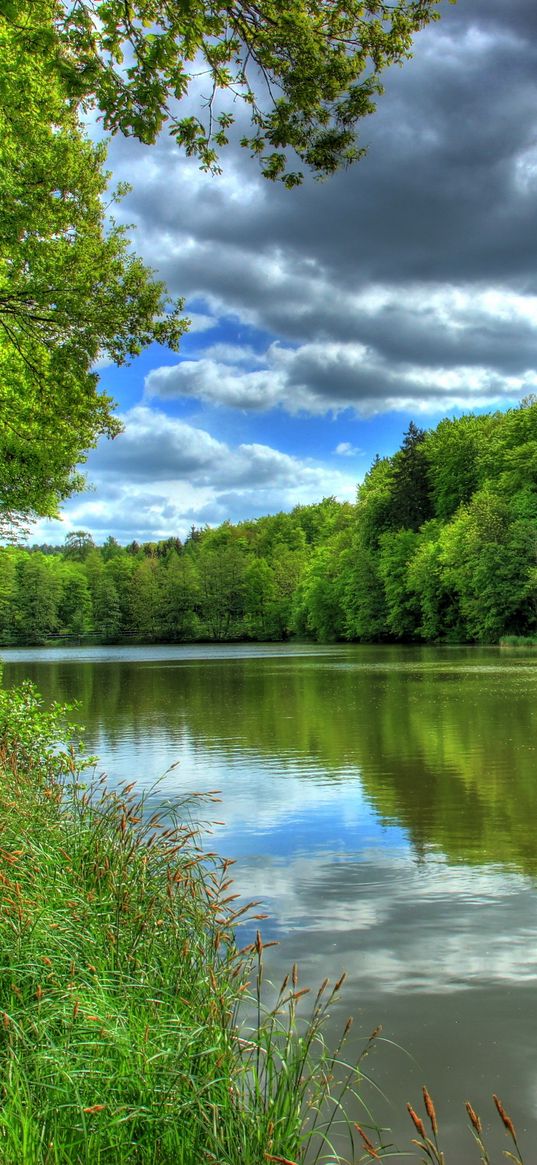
[[410, 504], [307, 71], [71, 290], [396, 552], [452, 453]]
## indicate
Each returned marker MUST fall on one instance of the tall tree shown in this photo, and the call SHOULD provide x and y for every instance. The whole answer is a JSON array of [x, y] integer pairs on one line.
[[411, 503], [71, 291]]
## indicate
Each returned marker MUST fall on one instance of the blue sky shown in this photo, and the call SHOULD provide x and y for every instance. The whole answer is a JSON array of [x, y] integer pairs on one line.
[[326, 317]]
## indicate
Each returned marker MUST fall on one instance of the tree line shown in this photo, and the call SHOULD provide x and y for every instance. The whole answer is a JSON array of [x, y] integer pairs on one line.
[[441, 546]]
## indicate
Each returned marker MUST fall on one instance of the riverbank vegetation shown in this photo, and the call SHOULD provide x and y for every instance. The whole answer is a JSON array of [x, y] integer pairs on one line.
[[132, 1028], [439, 547]]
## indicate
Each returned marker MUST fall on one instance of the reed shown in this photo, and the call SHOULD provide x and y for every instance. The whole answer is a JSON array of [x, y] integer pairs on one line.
[[132, 1028], [429, 1146]]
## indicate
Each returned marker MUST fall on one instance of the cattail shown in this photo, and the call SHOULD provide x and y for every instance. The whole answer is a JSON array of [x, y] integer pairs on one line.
[[347, 1027], [75, 1008], [294, 975], [418, 1123], [5, 1020], [431, 1111], [368, 1144], [340, 982], [504, 1116], [94, 1108], [39, 993], [474, 1118]]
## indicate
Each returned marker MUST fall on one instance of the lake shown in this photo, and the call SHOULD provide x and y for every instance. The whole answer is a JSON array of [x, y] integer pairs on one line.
[[381, 802]]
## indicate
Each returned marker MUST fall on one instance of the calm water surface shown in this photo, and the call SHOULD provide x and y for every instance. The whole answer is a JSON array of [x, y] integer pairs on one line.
[[382, 804]]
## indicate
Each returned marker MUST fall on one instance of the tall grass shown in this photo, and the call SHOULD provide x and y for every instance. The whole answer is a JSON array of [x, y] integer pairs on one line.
[[122, 985]]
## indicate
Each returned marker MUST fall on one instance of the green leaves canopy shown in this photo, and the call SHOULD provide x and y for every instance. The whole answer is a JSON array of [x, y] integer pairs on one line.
[[71, 292], [307, 70]]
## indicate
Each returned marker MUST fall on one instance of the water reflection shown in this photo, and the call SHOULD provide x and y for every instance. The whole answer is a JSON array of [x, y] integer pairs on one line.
[[440, 744]]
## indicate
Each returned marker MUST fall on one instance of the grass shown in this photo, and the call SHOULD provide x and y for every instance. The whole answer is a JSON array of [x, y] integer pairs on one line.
[[122, 986]]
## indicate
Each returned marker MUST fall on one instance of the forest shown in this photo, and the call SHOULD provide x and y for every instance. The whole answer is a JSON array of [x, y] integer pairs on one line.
[[440, 547]]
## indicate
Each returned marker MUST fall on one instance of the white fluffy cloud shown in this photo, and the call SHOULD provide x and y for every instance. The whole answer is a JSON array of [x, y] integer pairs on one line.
[[374, 374], [162, 475]]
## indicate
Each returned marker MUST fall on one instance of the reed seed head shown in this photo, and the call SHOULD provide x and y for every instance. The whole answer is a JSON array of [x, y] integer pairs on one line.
[[430, 1109], [417, 1121], [367, 1143], [474, 1118], [504, 1116]]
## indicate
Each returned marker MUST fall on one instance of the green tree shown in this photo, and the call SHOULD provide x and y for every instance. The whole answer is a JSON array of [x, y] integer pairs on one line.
[[411, 504], [260, 596], [308, 71], [452, 453], [71, 291], [120, 569], [8, 594], [106, 607], [38, 597], [397, 550], [78, 544], [222, 561], [427, 581], [363, 597], [488, 554], [180, 598], [74, 605], [146, 600]]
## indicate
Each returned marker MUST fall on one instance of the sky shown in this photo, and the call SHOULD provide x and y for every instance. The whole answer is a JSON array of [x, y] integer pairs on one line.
[[326, 317]]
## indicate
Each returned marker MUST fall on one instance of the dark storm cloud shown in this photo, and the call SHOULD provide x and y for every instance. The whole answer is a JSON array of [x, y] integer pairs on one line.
[[445, 191], [424, 253]]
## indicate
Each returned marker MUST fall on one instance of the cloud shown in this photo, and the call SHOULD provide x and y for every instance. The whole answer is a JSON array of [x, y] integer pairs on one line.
[[424, 254], [345, 449], [320, 377], [201, 322], [161, 475]]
